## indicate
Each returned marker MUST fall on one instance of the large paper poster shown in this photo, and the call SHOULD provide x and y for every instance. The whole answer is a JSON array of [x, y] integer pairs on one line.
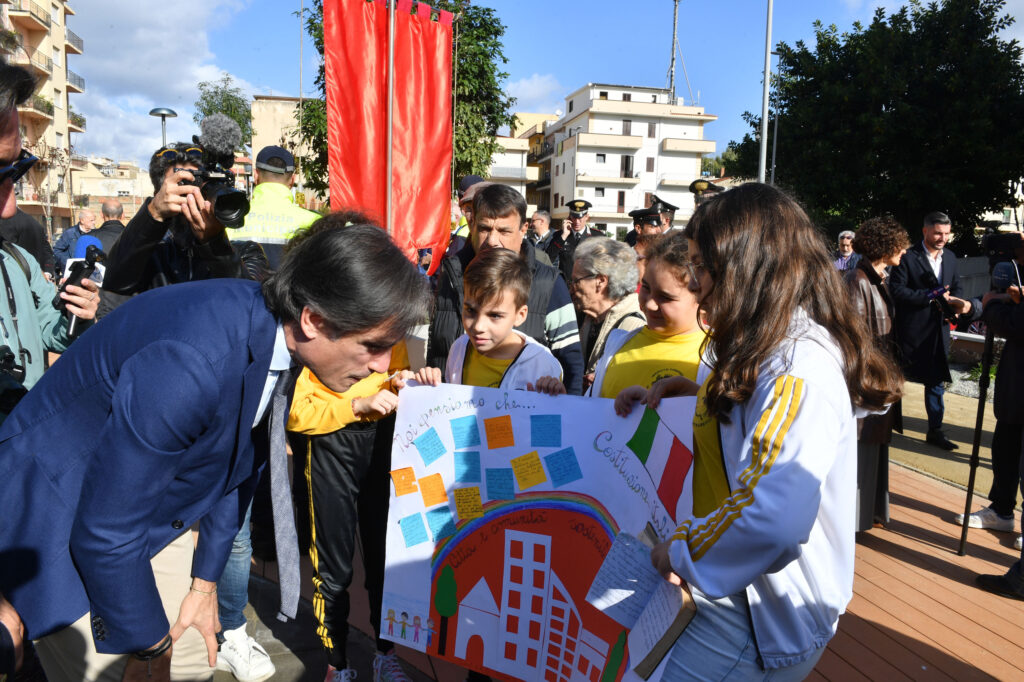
[[505, 506]]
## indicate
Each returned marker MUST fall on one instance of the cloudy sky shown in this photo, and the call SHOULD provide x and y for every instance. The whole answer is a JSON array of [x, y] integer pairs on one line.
[[141, 55]]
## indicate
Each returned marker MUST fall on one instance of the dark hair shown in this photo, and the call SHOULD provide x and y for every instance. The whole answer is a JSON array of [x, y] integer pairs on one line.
[[673, 251], [16, 86], [767, 261], [647, 239], [498, 201], [879, 237], [352, 275], [338, 219], [159, 163], [495, 271], [937, 218]]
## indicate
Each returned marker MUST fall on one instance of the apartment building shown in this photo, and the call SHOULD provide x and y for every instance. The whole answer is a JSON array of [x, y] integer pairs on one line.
[[615, 146], [35, 35], [96, 179]]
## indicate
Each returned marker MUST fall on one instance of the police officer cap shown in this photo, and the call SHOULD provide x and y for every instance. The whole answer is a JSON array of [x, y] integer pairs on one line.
[[661, 205], [646, 216], [702, 186], [578, 208], [275, 152]]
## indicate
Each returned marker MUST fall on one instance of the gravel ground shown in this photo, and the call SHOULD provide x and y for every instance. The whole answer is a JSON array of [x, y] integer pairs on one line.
[[962, 386]]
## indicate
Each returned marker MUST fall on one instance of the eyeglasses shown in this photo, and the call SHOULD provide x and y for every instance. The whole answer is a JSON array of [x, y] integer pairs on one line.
[[575, 281], [174, 152], [16, 170]]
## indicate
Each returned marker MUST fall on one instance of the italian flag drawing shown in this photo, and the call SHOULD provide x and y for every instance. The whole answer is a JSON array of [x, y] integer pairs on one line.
[[666, 458]]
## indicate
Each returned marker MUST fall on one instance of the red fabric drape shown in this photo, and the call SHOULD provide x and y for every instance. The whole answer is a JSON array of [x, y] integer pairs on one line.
[[355, 53]]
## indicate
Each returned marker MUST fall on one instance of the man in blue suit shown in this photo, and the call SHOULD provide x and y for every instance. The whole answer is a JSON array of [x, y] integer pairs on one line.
[[925, 277], [157, 419]]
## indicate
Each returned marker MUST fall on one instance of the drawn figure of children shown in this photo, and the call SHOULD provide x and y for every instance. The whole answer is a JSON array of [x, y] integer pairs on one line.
[[430, 631], [416, 628], [404, 622], [391, 621]]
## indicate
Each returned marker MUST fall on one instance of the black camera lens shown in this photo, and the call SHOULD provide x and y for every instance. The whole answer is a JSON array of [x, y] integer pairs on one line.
[[230, 205]]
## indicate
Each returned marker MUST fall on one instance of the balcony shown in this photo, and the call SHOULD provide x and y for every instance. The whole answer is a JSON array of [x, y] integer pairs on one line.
[[10, 41], [513, 173], [675, 111], [539, 152], [37, 108], [79, 162], [674, 144], [72, 43], [582, 179], [541, 183], [29, 15], [675, 180], [76, 122], [41, 63], [75, 82], [606, 141]]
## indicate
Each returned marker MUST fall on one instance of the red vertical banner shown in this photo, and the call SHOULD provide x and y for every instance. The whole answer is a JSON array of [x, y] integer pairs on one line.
[[356, 63]]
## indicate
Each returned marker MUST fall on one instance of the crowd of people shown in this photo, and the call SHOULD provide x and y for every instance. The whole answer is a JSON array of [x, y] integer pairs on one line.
[[125, 553]]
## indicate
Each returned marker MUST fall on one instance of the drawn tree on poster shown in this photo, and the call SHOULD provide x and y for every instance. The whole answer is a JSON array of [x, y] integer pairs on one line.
[[611, 668], [445, 601]]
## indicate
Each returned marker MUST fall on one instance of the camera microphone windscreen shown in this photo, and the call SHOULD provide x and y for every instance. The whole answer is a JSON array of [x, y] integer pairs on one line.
[[1005, 275], [220, 135]]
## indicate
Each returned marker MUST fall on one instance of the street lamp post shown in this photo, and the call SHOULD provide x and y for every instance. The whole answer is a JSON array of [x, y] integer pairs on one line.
[[575, 158], [775, 134], [164, 113], [764, 99]]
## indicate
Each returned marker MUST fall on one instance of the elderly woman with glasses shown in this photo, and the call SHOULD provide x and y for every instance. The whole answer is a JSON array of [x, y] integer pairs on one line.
[[603, 287]]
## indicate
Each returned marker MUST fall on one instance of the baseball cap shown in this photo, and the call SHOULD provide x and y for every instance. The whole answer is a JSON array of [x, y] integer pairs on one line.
[[275, 152]]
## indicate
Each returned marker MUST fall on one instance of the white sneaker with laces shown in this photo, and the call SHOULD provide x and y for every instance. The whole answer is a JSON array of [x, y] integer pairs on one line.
[[386, 668], [346, 675], [241, 656], [986, 518]]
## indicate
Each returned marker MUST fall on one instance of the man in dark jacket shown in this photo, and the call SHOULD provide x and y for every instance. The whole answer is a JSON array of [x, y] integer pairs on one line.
[[25, 231], [562, 248], [110, 231], [65, 246], [925, 277], [499, 221]]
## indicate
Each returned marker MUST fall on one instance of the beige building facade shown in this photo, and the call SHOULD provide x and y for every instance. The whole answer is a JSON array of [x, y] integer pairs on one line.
[[97, 179], [273, 123]]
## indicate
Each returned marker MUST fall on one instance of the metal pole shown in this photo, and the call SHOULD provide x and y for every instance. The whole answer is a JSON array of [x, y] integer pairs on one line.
[[764, 98], [163, 128], [672, 64], [391, 105], [979, 421], [298, 157], [775, 134]]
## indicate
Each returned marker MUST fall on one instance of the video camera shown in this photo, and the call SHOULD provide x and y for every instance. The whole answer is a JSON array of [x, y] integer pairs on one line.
[[1000, 247], [219, 138]]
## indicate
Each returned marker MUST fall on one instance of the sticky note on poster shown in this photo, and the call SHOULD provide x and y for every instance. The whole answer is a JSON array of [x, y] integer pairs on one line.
[[466, 432], [500, 484], [546, 430], [467, 503], [413, 531], [499, 432], [441, 523], [404, 480], [528, 470], [467, 467], [429, 446], [432, 489], [563, 467]]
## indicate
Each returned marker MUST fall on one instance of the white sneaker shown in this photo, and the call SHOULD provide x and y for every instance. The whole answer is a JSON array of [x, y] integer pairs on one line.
[[346, 675], [241, 656], [986, 518], [1017, 544], [386, 668]]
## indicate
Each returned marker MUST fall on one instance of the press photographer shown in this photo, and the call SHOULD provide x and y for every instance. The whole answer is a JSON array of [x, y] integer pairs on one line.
[[179, 234]]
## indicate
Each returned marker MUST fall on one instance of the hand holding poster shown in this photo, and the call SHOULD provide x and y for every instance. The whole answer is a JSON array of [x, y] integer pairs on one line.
[[505, 506]]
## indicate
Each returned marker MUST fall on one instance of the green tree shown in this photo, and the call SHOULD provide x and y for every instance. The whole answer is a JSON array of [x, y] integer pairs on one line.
[[446, 602], [224, 97], [917, 112], [713, 165], [481, 105]]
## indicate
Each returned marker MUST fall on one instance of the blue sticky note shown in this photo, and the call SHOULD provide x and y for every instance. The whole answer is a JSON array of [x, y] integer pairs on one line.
[[466, 432], [430, 446], [563, 467], [546, 430], [500, 484], [467, 467], [441, 523], [413, 530]]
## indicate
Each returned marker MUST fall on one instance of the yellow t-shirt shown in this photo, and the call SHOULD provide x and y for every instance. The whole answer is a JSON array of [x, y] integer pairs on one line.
[[648, 356], [710, 485], [480, 370]]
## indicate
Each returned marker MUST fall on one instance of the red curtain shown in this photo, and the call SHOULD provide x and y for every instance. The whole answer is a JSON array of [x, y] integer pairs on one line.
[[356, 53]]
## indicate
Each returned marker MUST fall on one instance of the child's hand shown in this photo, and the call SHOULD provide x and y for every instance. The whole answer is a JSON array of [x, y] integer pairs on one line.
[[549, 385], [400, 378], [379, 404], [663, 564], [429, 376], [626, 397], [670, 387]]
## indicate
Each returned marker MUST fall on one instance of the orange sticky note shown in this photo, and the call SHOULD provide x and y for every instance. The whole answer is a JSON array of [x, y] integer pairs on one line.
[[528, 470], [432, 489], [467, 503], [405, 481], [499, 432]]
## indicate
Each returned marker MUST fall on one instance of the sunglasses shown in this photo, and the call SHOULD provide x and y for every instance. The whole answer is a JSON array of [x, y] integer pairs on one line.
[[16, 170], [175, 152]]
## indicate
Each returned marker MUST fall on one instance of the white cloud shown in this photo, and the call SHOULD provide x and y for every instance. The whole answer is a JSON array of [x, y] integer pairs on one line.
[[141, 55], [539, 93]]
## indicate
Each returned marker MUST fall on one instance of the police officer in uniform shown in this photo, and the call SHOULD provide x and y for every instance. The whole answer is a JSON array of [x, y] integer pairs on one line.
[[666, 210], [562, 248], [645, 221]]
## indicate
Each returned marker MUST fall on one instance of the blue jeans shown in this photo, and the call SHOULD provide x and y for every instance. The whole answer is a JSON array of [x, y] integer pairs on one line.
[[718, 645], [233, 586], [934, 406]]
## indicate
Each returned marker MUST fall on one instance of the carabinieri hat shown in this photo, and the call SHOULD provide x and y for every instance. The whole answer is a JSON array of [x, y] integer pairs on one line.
[[578, 208]]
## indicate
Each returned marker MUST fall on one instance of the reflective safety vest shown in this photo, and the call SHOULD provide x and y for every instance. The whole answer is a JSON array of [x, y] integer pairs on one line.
[[273, 217]]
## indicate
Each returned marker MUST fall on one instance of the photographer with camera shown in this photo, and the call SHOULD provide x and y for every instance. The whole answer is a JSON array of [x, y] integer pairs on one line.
[[194, 201]]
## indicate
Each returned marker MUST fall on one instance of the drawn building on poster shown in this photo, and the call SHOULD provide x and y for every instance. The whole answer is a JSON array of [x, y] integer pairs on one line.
[[538, 626]]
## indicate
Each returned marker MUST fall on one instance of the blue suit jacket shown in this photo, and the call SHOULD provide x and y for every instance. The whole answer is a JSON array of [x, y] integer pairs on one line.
[[143, 428]]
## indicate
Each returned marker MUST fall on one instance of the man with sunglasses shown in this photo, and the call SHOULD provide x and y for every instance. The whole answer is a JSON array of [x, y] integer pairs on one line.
[[29, 324]]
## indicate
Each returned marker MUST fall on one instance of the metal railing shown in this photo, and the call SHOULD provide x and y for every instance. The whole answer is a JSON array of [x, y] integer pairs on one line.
[[31, 8], [37, 103], [76, 80], [540, 152], [73, 38], [76, 119], [42, 61]]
